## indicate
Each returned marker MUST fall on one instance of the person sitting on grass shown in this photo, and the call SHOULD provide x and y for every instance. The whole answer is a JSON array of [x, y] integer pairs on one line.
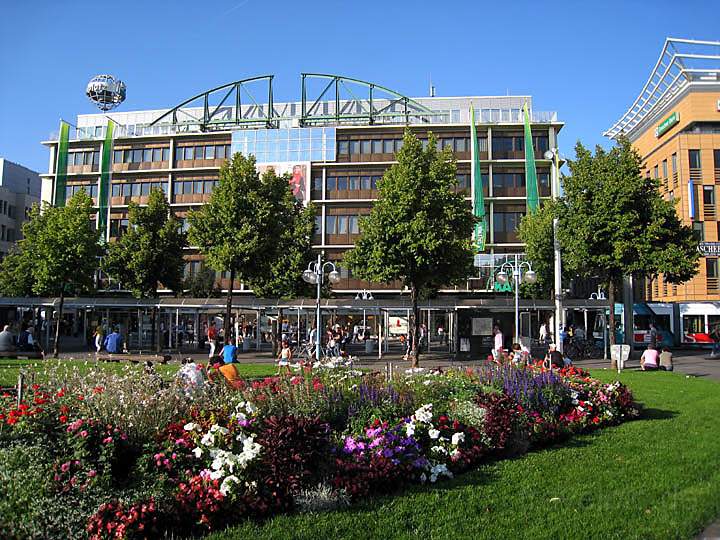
[[284, 357], [649, 359], [229, 352], [7, 341], [114, 342], [554, 358], [666, 361]]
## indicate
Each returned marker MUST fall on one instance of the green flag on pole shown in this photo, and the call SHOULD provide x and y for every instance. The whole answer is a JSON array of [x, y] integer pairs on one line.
[[531, 181], [476, 182], [105, 171], [61, 163]]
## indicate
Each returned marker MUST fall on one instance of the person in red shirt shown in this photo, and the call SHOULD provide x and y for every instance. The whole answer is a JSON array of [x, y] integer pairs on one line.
[[212, 339]]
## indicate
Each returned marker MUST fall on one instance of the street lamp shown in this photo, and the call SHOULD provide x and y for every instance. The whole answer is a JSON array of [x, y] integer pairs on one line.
[[554, 155], [520, 271], [315, 275]]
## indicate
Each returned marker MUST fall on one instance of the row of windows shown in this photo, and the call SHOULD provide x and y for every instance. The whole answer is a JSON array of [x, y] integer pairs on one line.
[[118, 227], [506, 222], [90, 189], [141, 155], [341, 225], [214, 151], [7, 234], [516, 143], [342, 183], [137, 189], [7, 209], [194, 187], [391, 146], [88, 157]]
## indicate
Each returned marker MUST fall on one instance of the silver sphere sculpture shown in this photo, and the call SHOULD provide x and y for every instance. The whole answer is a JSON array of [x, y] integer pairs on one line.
[[105, 91]]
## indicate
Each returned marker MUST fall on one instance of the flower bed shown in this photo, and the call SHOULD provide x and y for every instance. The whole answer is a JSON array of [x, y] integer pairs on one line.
[[125, 456]]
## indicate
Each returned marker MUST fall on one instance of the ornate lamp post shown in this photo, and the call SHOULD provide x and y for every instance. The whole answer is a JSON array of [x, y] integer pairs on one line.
[[315, 274], [554, 155], [520, 271]]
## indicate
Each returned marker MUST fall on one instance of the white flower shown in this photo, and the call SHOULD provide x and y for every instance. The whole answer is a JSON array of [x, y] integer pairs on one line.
[[439, 450], [208, 439], [424, 414], [227, 483], [240, 417], [250, 408], [190, 426], [215, 428], [216, 475], [427, 382], [434, 433], [457, 438], [409, 429], [423, 478], [198, 452]]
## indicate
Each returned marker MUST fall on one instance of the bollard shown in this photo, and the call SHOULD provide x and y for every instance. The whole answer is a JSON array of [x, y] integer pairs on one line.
[[20, 383]]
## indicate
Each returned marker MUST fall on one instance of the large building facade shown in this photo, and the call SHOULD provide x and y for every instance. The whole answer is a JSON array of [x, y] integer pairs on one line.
[[675, 126], [335, 147], [19, 190]]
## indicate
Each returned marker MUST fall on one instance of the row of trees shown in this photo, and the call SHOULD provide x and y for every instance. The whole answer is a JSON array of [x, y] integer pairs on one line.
[[612, 222], [252, 228]]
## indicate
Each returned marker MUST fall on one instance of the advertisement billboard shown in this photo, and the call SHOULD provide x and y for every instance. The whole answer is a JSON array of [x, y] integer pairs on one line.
[[299, 176]]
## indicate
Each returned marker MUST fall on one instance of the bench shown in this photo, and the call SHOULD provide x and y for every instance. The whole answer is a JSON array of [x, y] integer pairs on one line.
[[135, 358], [30, 355]]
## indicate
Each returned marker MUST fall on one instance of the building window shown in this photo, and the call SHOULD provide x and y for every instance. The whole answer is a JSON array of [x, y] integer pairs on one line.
[[694, 156], [354, 147], [664, 168], [330, 224], [656, 174], [711, 266], [343, 148], [353, 224], [673, 163], [716, 158], [388, 146], [318, 225], [698, 230], [709, 195]]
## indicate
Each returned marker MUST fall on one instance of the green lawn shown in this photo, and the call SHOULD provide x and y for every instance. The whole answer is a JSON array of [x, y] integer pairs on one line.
[[657, 477], [10, 368]]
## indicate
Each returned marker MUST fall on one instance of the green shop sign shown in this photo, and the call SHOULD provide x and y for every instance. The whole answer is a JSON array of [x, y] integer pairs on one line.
[[666, 124]]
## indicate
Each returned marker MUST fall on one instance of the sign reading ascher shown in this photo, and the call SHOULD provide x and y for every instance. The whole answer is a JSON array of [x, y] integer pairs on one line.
[[709, 249]]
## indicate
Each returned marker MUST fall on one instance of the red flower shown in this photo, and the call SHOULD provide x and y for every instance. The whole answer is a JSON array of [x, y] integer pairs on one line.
[[63, 419]]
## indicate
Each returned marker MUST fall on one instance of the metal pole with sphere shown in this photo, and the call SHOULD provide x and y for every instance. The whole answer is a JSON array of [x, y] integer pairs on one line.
[[521, 271]]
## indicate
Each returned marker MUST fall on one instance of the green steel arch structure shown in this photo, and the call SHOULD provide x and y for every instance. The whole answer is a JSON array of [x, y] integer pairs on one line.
[[366, 109], [222, 116], [238, 105]]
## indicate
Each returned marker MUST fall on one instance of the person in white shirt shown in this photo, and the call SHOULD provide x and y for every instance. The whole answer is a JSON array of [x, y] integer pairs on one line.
[[499, 339]]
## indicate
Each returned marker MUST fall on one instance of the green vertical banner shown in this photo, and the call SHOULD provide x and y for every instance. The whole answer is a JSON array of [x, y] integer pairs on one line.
[[61, 163], [105, 172], [531, 181], [476, 182]]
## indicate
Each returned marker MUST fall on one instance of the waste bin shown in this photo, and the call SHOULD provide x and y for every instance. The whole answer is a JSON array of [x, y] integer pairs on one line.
[[246, 345], [369, 346]]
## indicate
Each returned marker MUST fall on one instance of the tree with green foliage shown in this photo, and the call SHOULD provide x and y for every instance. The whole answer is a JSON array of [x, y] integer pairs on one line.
[[419, 231], [613, 222], [150, 252], [245, 226], [201, 284], [536, 231], [58, 254]]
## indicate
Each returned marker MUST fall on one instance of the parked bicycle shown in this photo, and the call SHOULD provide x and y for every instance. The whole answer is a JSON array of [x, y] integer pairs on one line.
[[581, 349]]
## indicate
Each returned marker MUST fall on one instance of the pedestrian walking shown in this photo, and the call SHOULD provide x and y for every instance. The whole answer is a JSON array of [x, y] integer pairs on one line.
[[99, 338], [212, 336]]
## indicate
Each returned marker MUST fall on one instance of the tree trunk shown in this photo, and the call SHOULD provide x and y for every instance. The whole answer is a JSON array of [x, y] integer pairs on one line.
[[227, 326], [611, 320], [414, 324], [56, 349]]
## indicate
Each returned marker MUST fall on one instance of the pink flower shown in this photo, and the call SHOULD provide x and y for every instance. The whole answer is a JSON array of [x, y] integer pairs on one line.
[[107, 440], [65, 466], [92, 473], [83, 433]]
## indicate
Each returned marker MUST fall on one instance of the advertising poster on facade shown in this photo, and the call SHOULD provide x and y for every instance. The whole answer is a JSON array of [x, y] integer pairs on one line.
[[299, 176]]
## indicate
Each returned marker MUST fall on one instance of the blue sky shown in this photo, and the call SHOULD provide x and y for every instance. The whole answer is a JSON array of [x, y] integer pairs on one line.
[[586, 60]]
